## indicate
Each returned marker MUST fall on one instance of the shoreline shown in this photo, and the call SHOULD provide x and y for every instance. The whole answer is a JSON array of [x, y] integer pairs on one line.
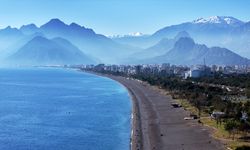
[[136, 136], [158, 126]]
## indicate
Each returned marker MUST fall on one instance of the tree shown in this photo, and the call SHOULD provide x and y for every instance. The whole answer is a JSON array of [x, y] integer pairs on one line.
[[231, 126], [243, 148], [248, 92]]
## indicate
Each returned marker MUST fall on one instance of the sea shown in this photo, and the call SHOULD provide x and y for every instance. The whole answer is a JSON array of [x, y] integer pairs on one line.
[[62, 109]]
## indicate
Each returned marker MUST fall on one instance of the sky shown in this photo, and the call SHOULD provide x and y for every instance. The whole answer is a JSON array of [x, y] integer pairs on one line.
[[119, 17]]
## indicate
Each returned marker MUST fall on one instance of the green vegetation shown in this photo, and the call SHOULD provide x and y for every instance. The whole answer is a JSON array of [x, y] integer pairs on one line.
[[234, 80], [243, 148], [203, 99]]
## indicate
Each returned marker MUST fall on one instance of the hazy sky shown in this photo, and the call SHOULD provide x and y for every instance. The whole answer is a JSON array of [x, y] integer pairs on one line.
[[111, 17]]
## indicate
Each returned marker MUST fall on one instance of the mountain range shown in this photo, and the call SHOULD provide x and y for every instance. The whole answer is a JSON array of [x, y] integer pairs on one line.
[[42, 51], [96, 46], [30, 44], [160, 48], [222, 31], [187, 52]]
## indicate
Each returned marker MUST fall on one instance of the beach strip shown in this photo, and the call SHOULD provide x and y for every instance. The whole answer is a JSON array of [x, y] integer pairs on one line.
[[156, 125]]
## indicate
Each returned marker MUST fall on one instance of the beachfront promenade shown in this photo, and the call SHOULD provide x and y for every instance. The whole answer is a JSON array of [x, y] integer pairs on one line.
[[159, 126]]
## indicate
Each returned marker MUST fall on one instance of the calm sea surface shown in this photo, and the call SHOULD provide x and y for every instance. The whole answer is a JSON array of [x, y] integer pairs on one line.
[[59, 109]]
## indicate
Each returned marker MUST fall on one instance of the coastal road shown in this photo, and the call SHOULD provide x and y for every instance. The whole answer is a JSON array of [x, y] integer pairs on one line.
[[159, 126]]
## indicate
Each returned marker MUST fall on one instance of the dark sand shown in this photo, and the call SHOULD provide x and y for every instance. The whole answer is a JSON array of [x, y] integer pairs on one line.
[[159, 126]]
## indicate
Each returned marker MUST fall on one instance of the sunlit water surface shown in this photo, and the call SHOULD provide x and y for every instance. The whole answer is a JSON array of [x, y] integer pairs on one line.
[[60, 109]]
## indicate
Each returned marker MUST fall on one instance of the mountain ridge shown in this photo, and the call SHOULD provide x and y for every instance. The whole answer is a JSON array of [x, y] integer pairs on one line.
[[95, 45], [161, 47], [187, 52], [220, 19], [221, 31], [42, 51]]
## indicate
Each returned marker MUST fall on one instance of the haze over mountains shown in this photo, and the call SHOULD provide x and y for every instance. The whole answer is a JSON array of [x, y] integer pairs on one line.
[[160, 48], [186, 51], [220, 31], [42, 51], [58, 43], [94, 45]]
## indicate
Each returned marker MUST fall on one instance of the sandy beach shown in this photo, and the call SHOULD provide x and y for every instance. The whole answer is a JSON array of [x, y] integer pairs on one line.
[[159, 126]]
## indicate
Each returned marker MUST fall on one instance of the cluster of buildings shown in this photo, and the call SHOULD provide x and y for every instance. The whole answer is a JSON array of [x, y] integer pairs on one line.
[[163, 69], [168, 70]]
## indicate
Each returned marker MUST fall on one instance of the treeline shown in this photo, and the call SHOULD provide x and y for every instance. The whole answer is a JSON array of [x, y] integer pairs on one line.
[[234, 80], [209, 98], [206, 99]]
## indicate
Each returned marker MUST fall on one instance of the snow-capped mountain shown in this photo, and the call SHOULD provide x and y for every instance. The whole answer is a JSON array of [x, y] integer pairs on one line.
[[223, 31], [136, 34], [213, 31], [219, 20], [132, 34]]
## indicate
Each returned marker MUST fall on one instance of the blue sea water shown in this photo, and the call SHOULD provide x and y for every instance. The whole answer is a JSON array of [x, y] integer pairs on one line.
[[62, 109]]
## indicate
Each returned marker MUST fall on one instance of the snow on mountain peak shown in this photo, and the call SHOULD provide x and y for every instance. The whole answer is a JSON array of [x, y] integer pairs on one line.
[[218, 20], [136, 34]]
